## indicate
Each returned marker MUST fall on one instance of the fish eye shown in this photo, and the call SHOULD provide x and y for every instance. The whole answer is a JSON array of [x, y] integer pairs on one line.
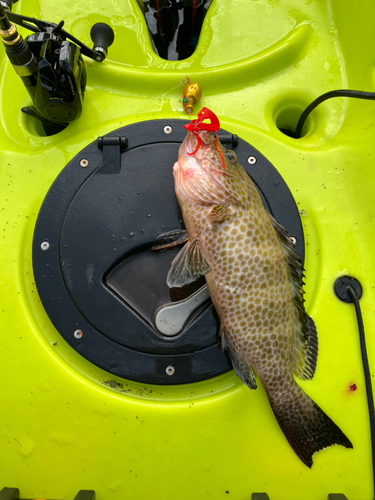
[[231, 156]]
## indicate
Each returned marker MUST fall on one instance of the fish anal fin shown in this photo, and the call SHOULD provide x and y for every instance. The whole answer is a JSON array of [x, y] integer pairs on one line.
[[242, 367], [170, 239], [305, 349], [188, 265]]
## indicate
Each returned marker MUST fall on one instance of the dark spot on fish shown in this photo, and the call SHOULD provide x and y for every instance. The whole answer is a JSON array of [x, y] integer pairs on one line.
[[353, 387]]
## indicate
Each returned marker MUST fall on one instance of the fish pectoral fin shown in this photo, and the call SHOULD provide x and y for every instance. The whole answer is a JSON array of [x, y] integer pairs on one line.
[[188, 265], [305, 348], [170, 239], [219, 213], [242, 367]]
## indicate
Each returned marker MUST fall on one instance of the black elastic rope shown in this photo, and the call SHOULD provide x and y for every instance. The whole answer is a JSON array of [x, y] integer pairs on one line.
[[358, 94], [366, 370]]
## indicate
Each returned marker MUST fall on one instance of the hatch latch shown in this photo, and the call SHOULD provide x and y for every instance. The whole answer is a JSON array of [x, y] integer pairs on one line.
[[112, 147]]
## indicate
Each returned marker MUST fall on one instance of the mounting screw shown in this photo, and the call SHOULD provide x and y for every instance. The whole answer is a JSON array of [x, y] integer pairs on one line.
[[170, 370], [251, 160], [84, 163], [168, 129], [78, 334], [44, 245]]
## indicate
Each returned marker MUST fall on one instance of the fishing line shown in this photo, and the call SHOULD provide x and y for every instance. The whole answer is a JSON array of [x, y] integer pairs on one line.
[[184, 81], [40, 9], [357, 94]]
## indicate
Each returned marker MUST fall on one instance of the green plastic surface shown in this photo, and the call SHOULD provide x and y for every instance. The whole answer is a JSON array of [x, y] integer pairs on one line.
[[65, 425]]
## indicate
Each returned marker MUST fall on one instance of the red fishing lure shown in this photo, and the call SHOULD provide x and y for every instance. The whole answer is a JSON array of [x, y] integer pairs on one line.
[[199, 124]]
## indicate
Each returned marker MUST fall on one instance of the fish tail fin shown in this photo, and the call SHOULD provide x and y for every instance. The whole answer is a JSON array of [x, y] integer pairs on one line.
[[305, 425]]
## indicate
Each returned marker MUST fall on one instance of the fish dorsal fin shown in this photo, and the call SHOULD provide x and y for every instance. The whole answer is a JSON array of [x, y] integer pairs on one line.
[[170, 239], [241, 367], [305, 350], [188, 265], [306, 338]]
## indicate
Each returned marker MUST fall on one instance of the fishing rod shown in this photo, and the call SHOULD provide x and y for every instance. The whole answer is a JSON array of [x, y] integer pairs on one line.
[[50, 65]]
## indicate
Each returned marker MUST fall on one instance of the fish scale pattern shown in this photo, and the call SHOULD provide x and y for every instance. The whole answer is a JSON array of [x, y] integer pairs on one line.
[[255, 288], [248, 283]]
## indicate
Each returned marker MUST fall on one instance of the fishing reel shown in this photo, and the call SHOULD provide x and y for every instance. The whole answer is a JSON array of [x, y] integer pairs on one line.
[[50, 65]]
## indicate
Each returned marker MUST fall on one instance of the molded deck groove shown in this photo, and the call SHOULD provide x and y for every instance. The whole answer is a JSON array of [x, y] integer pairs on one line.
[[14, 494]]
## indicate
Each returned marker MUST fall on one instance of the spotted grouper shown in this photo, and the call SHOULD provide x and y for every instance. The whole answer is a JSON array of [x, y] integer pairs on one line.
[[255, 279]]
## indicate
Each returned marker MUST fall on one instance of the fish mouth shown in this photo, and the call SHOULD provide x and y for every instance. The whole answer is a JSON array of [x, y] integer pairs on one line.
[[187, 160], [187, 147], [190, 142]]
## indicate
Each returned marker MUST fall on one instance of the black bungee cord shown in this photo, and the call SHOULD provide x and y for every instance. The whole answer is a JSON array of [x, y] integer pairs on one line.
[[366, 369], [357, 94], [349, 290]]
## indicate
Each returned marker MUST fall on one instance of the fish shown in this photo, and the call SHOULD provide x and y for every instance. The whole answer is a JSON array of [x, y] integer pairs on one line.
[[255, 279]]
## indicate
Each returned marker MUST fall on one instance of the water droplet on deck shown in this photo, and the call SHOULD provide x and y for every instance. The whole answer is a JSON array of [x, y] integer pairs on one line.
[[26, 447]]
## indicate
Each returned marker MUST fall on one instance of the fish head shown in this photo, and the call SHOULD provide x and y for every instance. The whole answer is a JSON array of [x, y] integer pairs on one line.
[[206, 169], [201, 150]]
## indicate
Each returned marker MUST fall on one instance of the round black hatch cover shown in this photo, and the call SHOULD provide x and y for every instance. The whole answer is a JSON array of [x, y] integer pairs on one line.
[[102, 285]]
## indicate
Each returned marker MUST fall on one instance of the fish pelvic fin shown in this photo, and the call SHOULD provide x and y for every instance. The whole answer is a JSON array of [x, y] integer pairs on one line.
[[305, 425], [306, 338], [188, 265], [240, 365]]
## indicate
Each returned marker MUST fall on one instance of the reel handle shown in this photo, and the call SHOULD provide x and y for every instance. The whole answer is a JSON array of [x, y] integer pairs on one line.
[[8, 4], [102, 36]]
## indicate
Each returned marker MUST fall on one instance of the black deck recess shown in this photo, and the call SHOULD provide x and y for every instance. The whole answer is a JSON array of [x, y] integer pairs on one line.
[[102, 214]]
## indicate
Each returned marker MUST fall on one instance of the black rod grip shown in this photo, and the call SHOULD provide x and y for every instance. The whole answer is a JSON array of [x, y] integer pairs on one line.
[[4, 21]]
